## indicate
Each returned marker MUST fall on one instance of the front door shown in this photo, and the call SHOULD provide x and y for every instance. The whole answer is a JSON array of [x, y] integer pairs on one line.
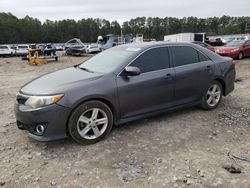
[[153, 89]]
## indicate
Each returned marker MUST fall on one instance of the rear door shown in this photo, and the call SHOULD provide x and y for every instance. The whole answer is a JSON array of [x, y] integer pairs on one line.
[[153, 89], [193, 72]]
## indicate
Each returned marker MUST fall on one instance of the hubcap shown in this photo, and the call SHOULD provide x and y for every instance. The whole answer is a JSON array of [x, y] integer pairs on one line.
[[92, 123], [213, 95]]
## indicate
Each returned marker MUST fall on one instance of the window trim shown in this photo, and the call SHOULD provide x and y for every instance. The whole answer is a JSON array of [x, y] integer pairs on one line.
[[197, 50], [162, 46]]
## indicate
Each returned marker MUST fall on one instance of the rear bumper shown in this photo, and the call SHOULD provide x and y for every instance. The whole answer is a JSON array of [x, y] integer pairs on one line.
[[53, 118], [229, 82], [22, 53]]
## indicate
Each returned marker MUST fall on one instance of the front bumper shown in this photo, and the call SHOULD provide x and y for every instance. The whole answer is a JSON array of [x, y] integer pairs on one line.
[[232, 55], [53, 118]]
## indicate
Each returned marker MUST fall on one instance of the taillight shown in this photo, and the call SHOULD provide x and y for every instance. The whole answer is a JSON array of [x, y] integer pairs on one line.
[[234, 63]]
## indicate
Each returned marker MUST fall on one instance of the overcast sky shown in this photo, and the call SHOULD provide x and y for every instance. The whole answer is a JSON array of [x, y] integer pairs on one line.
[[123, 10]]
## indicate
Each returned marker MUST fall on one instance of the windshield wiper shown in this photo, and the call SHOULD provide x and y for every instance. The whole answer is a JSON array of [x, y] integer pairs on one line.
[[85, 69]]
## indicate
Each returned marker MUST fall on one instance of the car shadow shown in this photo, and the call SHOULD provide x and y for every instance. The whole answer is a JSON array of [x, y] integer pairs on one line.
[[127, 127]]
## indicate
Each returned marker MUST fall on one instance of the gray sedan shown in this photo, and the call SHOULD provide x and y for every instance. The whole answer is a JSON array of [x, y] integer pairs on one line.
[[122, 84]]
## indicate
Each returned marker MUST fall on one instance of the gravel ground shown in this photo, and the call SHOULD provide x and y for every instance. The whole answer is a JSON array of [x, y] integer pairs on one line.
[[186, 148]]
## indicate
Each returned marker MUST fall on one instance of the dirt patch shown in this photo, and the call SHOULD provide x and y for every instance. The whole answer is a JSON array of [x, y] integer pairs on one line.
[[178, 149]]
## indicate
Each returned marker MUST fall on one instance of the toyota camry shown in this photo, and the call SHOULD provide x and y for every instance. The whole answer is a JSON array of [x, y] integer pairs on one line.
[[122, 84]]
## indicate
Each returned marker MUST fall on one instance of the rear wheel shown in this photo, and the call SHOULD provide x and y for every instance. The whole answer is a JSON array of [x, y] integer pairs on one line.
[[240, 56], [90, 122], [212, 97]]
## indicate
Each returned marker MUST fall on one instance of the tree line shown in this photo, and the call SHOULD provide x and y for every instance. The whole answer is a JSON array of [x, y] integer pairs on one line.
[[31, 30]]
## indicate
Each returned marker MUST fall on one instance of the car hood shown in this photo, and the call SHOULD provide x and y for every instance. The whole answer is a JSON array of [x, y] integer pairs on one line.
[[59, 81]]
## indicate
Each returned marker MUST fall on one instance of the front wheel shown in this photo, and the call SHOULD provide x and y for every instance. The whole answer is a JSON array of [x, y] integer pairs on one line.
[[91, 122], [212, 96], [240, 56]]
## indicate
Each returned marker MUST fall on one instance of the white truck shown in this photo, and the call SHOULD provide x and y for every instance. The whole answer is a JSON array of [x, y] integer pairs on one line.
[[185, 37]]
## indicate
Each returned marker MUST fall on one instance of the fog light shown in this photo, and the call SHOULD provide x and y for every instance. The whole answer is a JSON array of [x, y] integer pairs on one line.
[[40, 129]]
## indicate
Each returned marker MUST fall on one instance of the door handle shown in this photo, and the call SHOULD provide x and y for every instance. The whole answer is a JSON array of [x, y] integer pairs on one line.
[[168, 76], [208, 68]]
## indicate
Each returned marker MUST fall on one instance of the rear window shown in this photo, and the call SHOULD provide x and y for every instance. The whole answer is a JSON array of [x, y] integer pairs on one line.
[[202, 57], [184, 55]]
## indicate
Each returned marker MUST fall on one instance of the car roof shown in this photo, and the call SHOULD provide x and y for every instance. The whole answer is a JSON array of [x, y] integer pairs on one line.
[[146, 45], [142, 46]]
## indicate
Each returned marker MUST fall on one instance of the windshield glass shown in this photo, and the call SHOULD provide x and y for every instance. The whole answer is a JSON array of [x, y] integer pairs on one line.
[[107, 61], [236, 43], [3, 47]]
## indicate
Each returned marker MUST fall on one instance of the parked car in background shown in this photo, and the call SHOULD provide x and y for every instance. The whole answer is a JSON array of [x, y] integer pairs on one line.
[[75, 50], [122, 84], [112, 40], [237, 49], [205, 45], [59, 47], [13, 47], [93, 48], [5, 50], [34, 48], [216, 42], [48, 49], [22, 50]]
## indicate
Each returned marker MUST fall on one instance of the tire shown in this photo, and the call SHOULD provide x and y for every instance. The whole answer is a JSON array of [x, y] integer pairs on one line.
[[212, 97], [90, 122], [240, 56]]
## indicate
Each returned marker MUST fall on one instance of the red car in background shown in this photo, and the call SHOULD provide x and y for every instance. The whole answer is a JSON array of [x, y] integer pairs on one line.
[[237, 49], [205, 45]]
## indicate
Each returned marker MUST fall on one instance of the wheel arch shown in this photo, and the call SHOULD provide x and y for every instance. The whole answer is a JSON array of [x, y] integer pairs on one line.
[[101, 99], [222, 82]]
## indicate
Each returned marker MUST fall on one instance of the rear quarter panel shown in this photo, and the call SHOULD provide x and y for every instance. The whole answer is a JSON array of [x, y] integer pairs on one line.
[[225, 71]]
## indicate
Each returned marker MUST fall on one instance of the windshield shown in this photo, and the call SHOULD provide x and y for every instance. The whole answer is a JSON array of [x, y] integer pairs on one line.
[[236, 43], [3, 47], [107, 61]]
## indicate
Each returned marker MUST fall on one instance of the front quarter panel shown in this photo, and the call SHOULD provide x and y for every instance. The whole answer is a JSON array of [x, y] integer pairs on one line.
[[104, 88]]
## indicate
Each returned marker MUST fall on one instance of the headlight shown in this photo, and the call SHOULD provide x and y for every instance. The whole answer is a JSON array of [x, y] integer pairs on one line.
[[39, 101], [235, 50]]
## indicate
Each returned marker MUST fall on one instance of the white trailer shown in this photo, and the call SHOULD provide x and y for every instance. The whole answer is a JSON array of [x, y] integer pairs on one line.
[[186, 37]]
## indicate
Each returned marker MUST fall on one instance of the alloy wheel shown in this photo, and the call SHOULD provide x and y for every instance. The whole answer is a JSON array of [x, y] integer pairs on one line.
[[92, 123], [213, 95]]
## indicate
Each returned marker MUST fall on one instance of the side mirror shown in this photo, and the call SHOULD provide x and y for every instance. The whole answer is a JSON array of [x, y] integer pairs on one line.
[[131, 71]]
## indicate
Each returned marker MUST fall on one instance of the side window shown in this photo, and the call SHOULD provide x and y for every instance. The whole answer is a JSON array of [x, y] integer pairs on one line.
[[203, 57], [154, 59], [184, 55]]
